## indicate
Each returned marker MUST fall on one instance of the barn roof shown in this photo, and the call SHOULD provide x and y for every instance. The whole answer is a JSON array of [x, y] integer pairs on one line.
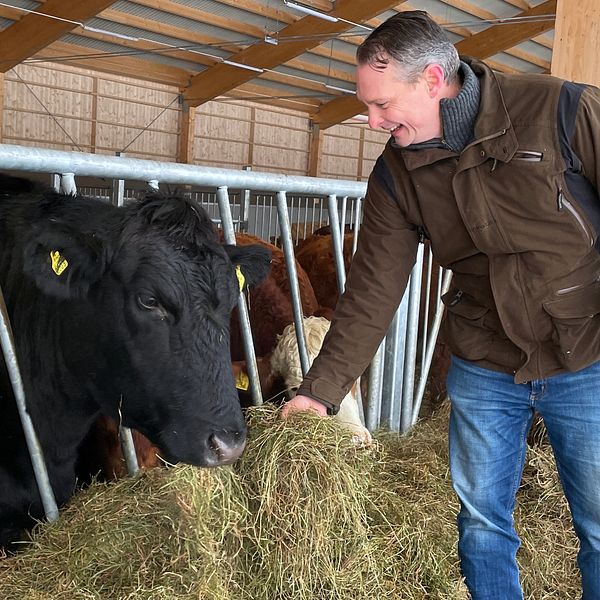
[[294, 54]]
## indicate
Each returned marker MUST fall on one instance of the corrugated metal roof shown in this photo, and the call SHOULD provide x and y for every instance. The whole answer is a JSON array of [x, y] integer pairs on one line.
[[228, 27]]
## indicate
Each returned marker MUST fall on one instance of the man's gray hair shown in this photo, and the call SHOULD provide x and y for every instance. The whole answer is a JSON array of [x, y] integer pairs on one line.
[[413, 40]]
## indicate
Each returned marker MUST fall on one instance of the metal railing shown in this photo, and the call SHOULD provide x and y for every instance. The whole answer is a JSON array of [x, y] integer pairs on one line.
[[246, 199]]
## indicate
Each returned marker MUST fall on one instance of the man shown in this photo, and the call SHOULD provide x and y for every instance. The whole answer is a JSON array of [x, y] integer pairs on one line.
[[500, 172]]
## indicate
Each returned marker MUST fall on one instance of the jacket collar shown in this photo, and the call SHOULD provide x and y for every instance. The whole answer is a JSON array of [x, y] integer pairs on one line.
[[494, 134]]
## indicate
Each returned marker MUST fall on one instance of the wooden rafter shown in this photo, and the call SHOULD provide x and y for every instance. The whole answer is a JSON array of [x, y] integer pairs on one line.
[[127, 66], [33, 32], [481, 45], [500, 37], [223, 77]]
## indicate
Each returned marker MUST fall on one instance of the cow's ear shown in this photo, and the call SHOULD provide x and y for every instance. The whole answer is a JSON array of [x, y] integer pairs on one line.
[[254, 262], [63, 262]]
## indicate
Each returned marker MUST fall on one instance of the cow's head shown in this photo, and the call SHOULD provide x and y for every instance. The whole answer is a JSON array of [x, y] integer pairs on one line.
[[145, 296]]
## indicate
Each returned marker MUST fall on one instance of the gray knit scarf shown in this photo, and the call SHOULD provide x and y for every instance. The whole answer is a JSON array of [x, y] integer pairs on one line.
[[458, 115]]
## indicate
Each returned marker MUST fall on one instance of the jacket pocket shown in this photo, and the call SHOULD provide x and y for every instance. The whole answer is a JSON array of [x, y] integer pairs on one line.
[[575, 315], [464, 329]]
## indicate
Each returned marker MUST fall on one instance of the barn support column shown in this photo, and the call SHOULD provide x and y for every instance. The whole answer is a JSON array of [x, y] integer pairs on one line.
[[576, 41], [315, 150], [187, 120]]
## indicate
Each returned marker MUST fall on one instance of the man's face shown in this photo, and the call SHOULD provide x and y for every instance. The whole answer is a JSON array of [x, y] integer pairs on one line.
[[409, 111]]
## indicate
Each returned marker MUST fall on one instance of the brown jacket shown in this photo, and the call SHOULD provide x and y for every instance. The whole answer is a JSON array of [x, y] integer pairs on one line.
[[515, 216]]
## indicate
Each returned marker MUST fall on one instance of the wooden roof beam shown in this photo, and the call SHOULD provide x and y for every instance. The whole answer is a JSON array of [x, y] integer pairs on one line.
[[500, 37], [262, 55], [32, 32], [481, 45]]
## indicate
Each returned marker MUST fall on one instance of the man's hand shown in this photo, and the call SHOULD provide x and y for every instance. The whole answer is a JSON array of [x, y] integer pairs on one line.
[[302, 403]]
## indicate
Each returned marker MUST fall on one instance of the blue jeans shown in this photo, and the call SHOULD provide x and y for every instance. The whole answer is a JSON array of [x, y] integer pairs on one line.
[[489, 421]]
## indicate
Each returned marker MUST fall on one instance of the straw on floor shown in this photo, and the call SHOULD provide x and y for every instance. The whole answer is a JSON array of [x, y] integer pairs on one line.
[[304, 515]]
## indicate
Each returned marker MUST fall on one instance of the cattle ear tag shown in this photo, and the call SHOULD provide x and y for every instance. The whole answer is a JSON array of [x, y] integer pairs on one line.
[[240, 277], [59, 262], [241, 381]]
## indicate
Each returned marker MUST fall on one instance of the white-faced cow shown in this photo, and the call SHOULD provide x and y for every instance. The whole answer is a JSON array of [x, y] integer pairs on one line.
[[119, 311]]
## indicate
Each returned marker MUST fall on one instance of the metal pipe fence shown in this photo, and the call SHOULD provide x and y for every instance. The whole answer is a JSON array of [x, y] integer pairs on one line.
[[280, 209]]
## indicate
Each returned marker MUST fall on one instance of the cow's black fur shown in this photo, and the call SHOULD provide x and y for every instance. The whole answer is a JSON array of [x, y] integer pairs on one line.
[[136, 327]]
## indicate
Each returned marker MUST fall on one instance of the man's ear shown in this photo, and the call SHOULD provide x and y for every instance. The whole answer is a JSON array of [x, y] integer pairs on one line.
[[63, 262], [254, 262], [434, 78]]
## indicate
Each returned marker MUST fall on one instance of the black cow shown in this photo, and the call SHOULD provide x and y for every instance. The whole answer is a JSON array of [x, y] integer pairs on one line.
[[119, 311]]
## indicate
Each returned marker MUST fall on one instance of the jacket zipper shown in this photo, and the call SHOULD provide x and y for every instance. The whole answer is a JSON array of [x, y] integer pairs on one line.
[[575, 287], [528, 155], [564, 203]]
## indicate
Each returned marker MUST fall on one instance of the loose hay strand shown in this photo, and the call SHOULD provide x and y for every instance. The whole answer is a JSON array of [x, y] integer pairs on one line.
[[303, 515]]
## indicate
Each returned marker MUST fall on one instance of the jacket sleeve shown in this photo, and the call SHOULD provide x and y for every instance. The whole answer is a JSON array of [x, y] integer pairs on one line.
[[586, 138], [376, 281]]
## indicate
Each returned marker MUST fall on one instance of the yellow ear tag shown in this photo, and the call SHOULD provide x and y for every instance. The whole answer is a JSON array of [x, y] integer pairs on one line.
[[242, 382], [241, 279], [59, 262]]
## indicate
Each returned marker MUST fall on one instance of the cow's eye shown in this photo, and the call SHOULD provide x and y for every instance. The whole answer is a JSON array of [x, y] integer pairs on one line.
[[147, 301]]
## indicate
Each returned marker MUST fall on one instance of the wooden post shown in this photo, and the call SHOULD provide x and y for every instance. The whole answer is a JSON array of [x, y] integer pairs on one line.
[[185, 151], [251, 140], [315, 150], [576, 41], [94, 131]]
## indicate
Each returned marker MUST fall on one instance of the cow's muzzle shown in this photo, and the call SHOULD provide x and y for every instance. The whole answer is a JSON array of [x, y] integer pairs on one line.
[[225, 447]]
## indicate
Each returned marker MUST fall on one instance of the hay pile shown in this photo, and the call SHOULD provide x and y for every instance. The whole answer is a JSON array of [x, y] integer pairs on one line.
[[302, 516]]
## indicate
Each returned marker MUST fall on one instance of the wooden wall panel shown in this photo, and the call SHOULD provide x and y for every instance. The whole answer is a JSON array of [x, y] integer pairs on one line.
[[218, 153], [280, 160], [336, 167], [110, 113], [40, 129], [216, 127], [35, 98]]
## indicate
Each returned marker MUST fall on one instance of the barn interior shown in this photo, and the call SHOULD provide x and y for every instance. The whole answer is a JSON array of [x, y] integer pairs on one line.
[[258, 85]]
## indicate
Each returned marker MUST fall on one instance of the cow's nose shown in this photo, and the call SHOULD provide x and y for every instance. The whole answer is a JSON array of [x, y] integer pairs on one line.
[[227, 446]]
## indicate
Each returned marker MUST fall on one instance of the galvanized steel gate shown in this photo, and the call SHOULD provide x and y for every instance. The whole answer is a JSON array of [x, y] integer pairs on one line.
[[264, 204]]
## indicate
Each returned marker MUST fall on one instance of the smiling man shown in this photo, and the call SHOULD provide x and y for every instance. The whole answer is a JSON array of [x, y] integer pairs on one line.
[[500, 172]]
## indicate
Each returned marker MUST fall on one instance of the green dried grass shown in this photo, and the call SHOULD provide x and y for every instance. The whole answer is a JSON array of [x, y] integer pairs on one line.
[[304, 515]]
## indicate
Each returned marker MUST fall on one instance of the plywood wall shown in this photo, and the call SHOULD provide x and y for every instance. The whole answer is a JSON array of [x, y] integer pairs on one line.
[[59, 106]]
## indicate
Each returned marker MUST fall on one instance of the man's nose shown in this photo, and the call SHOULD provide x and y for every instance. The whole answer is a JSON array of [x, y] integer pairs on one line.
[[374, 118]]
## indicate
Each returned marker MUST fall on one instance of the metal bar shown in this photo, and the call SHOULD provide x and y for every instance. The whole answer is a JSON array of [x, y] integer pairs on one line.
[[427, 305], [338, 253], [357, 224], [290, 261], [410, 354], [244, 318], [435, 328], [33, 444], [245, 205], [67, 184], [44, 160], [393, 369], [128, 448], [373, 415], [118, 192], [343, 216]]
